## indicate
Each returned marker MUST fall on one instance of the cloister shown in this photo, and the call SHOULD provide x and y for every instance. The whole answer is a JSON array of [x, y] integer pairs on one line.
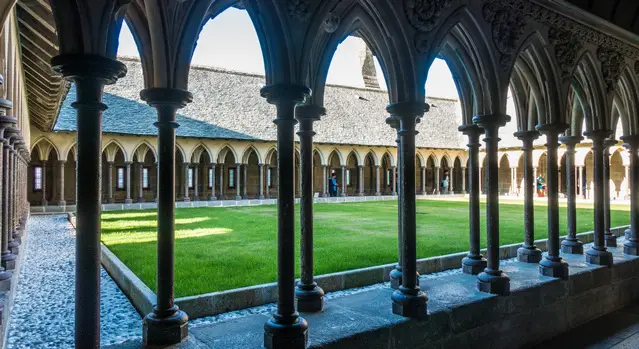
[[80, 126]]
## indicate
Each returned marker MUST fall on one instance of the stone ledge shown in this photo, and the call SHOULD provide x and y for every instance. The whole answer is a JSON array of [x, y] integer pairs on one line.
[[224, 301]]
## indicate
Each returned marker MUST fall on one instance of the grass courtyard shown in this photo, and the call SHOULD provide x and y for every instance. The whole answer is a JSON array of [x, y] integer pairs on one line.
[[224, 248]]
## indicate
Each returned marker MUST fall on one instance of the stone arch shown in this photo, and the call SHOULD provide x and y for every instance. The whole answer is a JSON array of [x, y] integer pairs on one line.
[[589, 87], [320, 157], [271, 156], [111, 148], [224, 152], [370, 173], [618, 180], [335, 154], [505, 175], [197, 152], [248, 151], [142, 148], [432, 162], [45, 147], [352, 173]]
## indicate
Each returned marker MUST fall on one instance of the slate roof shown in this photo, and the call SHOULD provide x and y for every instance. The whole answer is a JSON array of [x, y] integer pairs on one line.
[[228, 105]]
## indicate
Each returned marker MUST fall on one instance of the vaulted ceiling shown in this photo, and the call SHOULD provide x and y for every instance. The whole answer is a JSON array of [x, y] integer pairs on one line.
[[623, 13], [39, 43]]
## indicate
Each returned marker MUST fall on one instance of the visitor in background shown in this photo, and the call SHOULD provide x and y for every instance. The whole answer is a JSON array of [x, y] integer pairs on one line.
[[332, 185], [445, 182], [541, 186]]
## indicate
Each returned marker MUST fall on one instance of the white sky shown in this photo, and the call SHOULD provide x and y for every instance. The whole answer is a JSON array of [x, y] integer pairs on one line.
[[229, 41]]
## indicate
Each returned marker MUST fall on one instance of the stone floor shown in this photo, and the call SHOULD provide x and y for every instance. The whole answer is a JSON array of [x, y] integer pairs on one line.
[[42, 315], [617, 330]]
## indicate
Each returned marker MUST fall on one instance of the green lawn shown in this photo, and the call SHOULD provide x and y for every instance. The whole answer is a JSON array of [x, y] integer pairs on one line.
[[225, 248]]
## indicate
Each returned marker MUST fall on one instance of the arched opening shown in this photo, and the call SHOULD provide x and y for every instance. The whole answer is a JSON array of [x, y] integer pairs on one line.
[[431, 187], [35, 180], [180, 177], [271, 175], [588, 179], [419, 175], [351, 186], [505, 176], [114, 176], [617, 176], [335, 168], [203, 178], [146, 173], [444, 176], [319, 175], [227, 172], [69, 174], [370, 175], [456, 177], [387, 175]]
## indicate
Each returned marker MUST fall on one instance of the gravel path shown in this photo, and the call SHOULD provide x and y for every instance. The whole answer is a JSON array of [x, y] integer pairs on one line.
[[43, 311]]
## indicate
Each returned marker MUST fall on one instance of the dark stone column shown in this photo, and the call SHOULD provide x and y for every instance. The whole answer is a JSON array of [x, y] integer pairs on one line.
[[344, 186], [324, 181], [396, 274], [221, 181], [571, 244], [309, 296], [245, 181], [141, 181], [360, 180], [213, 197], [409, 300], [44, 201], [261, 191], [8, 259], [128, 200], [286, 329], [377, 181], [196, 171], [167, 324], [187, 198], [611, 240], [90, 74], [62, 202], [14, 237], [437, 182], [528, 253], [598, 254], [631, 246], [393, 180], [553, 265], [492, 279], [474, 263], [238, 181]]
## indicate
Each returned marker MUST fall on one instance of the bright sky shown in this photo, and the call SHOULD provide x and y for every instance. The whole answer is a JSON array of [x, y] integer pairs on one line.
[[229, 41]]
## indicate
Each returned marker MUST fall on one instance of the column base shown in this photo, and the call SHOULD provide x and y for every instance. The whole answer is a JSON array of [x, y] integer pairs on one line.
[[627, 233], [281, 335], [493, 282], [187, 199], [212, 198], [140, 199], [309, 298], [473, 265], [556, 268], [611, 240], [5, 280], [44, 203], [238, 198], [599, 257], [14, 247], [261, 197], [8, 261], [62, 203], [572, 246], [396, 278], [410, 303], [393, 193], [631, 248], [128, 201], [378, 194], [165, 331], [529, 254]]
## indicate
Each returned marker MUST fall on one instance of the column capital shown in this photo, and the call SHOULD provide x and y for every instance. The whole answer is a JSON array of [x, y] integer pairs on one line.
[[552, 128], [73, 66], [631, 141], [110, 162], [285, 93], [598, 135], [609, 142], [526, 135], [570, 141], [62, 162], [491, 120], [186, 163], [324, 166], [470, 129], [168, 96], [260, 165], [6, 121], [128, 163], [309, 112], [360, 166], [407, 109]]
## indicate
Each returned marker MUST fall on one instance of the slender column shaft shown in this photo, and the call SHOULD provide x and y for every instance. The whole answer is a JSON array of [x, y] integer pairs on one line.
[[325, 180], [128, 182], [109, 181], [310, 297], [393, 180], [141, 182], [553, 265], [261, 171], [397, 273], [451, 181], [631, 245], [187, 198], [286, 329], [360, 180], [166, 324], [528, 253], [409, 300], [571, 244], [492, 280], [598, 254], [61, 202], [344, 184], [474, 263], [222, 181], [611, 240], [44, 183], [5, 199], [245, 181], [377, 181], [212, 182], [423, 179], [463, 188], [196, 191], [437, 181], [238, 181]]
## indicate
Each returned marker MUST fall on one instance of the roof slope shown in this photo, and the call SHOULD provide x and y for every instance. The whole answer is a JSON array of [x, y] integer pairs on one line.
[[228, 105]]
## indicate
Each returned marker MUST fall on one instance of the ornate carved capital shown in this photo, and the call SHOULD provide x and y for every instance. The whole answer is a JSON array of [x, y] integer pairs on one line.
[[331, 23], [566, 50], [424, 16], [507, 28], [611, 62], [298, 9]]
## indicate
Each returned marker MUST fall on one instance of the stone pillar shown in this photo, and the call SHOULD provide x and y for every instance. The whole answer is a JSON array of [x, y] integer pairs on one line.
[[286, 329], [626, 172], [360, 180], [409, 300], [44, 201], [238, 182], [631, 246], [187, 198], [463, 188], [377, 182], [109, 181], [513, 181], [8, 259], [212, 198], [553, 265], [611, 239], [571, 244], [196, 181], [424, 180], [61, 201], [89, 73], [166, 324], [141, 182], [308, 295], [474, 263], [437, 181], [492, 279], [245, 181], [451, 180], [580, 186], [393, 180], [344, 186], [325, 181], [598, 254], [261, 190], [528, 253], [397, 273], [128, 183], [14, 242]]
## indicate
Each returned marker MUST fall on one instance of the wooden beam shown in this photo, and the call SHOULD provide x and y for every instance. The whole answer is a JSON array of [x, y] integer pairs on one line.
[[28, 22], [39, 11]]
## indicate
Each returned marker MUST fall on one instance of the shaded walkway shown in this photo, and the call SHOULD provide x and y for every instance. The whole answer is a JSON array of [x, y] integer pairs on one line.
[[43, 312]]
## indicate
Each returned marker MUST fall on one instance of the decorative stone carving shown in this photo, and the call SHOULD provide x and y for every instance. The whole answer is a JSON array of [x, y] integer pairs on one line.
[[331, 23], [507, 28], [424, 16], [566, 50], [611, 62], [637, 67], [299, 9]]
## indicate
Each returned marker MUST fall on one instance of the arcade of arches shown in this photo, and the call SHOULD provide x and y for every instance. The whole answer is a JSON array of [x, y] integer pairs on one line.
[[79, 124]]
